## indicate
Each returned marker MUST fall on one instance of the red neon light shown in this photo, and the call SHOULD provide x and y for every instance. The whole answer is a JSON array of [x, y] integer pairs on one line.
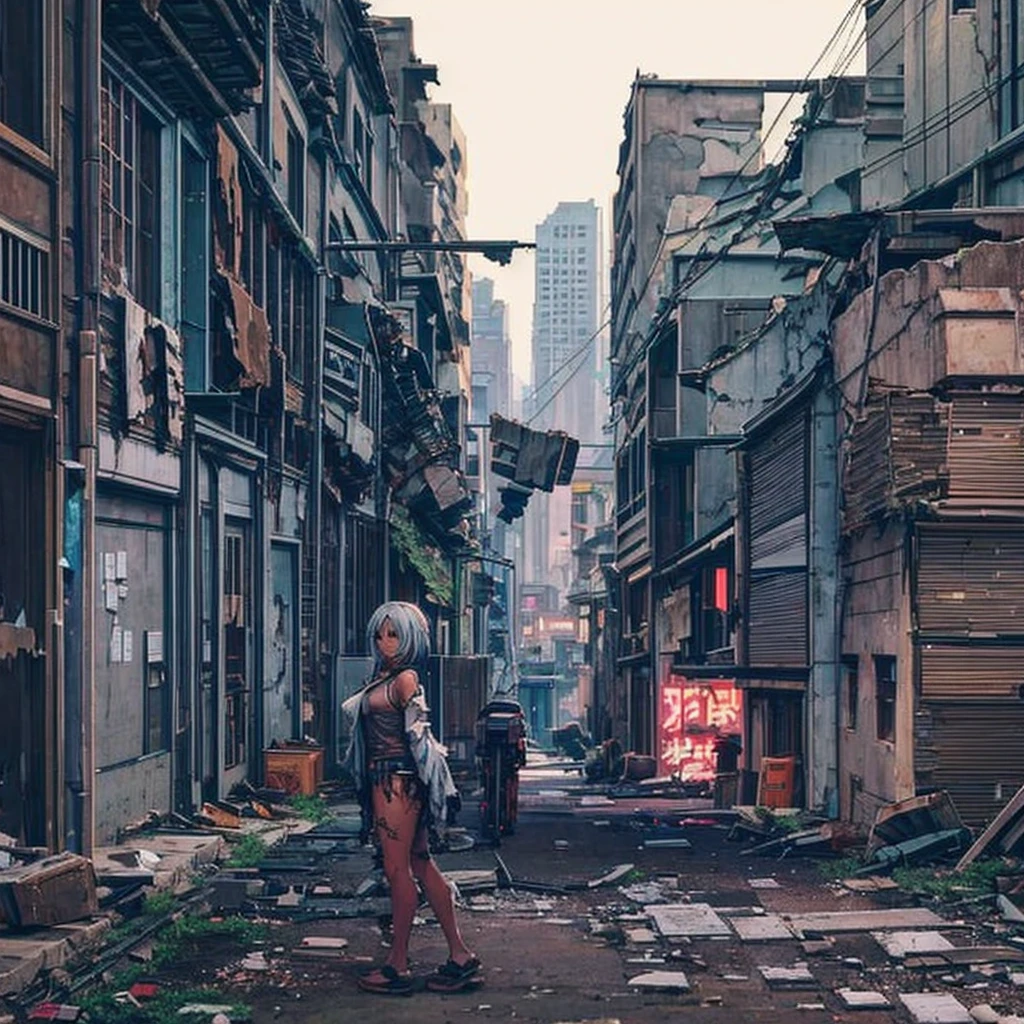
[[722, 589], [692, 717]]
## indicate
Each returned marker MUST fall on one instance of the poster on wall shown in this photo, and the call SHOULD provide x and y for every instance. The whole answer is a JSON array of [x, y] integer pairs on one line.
[[694, 718]]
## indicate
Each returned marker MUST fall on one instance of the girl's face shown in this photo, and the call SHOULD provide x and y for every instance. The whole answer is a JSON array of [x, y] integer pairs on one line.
[[387, 641]]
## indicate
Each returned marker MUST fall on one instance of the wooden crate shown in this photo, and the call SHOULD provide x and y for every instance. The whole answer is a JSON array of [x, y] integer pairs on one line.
[[294, 769], [51, 891]]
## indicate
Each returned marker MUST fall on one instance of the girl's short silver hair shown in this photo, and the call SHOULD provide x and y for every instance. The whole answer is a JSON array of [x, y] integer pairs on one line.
[[412, 628]]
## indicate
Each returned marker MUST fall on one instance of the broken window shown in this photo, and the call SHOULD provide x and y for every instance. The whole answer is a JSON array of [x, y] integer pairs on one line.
[[851, 694], [130, 195], [235, 620], [296, 174], [21, 68], [885, 697], [194, 270], [296, 312]]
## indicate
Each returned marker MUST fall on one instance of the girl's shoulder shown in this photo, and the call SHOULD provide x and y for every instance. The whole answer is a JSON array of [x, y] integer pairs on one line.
[[405, 685]]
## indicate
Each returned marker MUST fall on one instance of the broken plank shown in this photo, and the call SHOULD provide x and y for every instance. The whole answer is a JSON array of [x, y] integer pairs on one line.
[[1006, 817], [866, 920]]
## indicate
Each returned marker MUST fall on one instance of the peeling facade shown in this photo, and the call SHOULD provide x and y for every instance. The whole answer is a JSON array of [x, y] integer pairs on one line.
[[195, 388], [933, 472], [875, 417]]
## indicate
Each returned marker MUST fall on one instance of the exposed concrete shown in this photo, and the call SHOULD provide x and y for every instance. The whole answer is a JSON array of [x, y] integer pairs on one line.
[[854, 1000], [693, 920], [865, 920], [23, 956], [901, 944], [761, 929], [935, 1008]]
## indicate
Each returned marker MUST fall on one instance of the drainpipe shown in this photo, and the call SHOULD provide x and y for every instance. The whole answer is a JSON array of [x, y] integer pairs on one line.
[[88, 206], [315, 504]]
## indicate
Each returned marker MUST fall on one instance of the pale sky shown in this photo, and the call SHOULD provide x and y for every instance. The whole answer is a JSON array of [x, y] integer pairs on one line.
[[539, 87]]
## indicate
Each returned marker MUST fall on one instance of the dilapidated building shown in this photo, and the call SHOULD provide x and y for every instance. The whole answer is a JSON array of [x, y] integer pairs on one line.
[[209, 406]]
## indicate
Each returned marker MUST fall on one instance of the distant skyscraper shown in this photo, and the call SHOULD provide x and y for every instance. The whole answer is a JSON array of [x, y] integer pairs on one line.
[[491, 350], [491, 353], [566, 392], [567, 293]]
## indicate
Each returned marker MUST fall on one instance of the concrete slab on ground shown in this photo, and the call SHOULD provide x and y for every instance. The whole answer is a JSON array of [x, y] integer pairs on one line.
[[768, 928], [692, 920], [856, 1000], [672, 981], [23, 956], [865, 920], [796, 977], [935, 1008], [901, 944]]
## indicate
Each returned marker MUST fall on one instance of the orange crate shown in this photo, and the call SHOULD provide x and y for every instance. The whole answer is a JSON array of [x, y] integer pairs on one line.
[[775, 785], [294, 769]]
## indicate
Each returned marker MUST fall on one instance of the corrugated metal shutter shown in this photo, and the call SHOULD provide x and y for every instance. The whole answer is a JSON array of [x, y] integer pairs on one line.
[[986, 448], [970, 580], [777, 606], [967, 673], [778, 476], [976, 755], [778, 620]]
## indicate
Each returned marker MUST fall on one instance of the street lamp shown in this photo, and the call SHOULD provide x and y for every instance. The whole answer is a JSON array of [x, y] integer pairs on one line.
[[499, 250]]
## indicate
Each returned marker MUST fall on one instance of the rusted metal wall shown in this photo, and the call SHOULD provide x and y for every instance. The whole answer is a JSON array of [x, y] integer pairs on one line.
[[970, 582], [970, 619], [971, 749], [986, 448]]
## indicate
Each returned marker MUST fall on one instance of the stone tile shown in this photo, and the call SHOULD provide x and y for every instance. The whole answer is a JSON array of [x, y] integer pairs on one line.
[[761, 929], [692, 920], [796, 977], [935, 1008], [671, 981], [901, 944], [855, 1000], [865, 920]]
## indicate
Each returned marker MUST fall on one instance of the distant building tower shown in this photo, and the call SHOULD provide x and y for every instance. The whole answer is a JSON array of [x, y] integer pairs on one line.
[[567, 391], [492, 353], [491, 349]]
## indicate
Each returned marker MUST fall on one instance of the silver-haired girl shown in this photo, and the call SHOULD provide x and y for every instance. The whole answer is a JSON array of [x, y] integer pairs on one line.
[[404, 787]]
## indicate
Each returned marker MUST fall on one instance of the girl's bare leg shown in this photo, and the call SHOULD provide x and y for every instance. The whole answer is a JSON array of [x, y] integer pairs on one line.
[[395, 820], [439, 895]]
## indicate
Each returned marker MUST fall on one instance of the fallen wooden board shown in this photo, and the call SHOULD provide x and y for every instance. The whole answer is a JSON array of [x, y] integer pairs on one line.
[[866, 920], [913, 817], [967, 955], [1004, 819]]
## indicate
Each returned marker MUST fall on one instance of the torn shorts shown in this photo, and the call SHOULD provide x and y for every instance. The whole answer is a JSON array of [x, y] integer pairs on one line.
[[396, 774]]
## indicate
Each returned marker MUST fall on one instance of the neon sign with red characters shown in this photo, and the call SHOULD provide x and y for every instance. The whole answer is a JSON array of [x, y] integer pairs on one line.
[[692, 719]]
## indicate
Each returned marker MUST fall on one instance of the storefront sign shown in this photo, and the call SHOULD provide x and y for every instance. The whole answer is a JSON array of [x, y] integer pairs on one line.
[[692, 718]]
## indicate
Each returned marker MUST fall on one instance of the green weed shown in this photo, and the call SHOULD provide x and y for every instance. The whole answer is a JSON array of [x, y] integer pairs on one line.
[[162, 901], [841, 867], [975, 879], [311, 808], [103, 1006], [248, 852]]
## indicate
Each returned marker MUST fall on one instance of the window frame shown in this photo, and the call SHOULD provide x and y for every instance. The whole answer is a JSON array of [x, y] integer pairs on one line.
[[885, 697], [850, 667], [39, 145], [120, 191]]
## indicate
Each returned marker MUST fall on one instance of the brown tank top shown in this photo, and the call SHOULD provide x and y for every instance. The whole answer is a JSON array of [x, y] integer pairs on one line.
[[384, 728]]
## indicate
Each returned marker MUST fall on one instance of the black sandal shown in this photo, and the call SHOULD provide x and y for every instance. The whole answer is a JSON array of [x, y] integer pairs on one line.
[[395, 985], [452, 977]]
